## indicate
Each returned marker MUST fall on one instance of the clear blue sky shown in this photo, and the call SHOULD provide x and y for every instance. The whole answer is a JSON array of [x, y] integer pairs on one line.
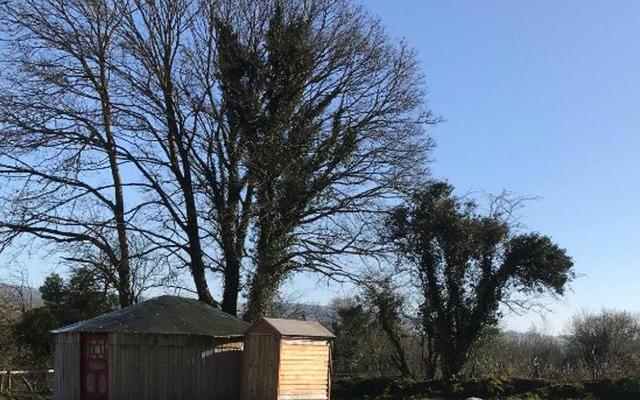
[[543, 98]]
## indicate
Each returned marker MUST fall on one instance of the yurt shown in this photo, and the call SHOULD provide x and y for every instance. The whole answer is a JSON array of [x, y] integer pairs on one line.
[[165, 348]]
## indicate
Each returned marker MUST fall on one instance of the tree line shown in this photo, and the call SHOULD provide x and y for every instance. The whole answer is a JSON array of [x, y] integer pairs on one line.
[[591, 347], [378, 335], [246, 142]]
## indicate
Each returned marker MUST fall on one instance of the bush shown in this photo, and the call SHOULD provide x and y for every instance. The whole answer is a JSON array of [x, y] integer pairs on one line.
[[484, 387], [565, 391], [628, 388], [623, 389], [523, 389], [528, 396]]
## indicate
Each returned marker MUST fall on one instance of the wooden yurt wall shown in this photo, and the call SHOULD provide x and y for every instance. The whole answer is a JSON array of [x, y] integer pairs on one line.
[[304, 369], [260, 366], [174, 367], [66, 376]]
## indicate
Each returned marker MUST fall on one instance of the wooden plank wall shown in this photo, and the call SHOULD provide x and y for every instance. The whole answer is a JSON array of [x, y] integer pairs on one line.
[[171, 367], [66, 376], [304, 369], [260, 366]]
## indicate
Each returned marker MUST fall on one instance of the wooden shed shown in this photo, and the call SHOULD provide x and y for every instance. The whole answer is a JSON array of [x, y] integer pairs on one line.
[[287, 360], [163, 349]]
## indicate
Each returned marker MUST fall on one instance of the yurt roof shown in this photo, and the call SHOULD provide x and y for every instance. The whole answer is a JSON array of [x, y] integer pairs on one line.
[[164, 315]]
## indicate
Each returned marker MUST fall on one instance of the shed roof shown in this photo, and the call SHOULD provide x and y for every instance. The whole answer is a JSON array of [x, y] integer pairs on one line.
[[164, 315], [291, 327]]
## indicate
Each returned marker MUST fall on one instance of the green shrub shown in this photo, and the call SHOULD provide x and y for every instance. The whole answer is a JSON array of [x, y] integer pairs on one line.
[[527, 396], [456, 388], [623, 389], [484, 387], [566, 391], [628, 388]]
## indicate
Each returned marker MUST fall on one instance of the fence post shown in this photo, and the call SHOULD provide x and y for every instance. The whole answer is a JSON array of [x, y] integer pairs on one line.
[[9, 380]]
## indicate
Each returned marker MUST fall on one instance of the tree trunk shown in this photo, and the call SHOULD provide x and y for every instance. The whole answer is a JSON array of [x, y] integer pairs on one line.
[[401, 358], [266, 281], [263, 289], [233, 228], [179, 157], [429, 358], [270, 249], [453, 356], [125, 292], [231, 285], [198, 270]]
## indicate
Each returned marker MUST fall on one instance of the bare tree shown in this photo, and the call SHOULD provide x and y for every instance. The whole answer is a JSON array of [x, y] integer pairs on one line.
[[296, 120], [606, 344], [58, 145], [269, 131], [154, 35], [67, 128], [388, 308], [16, 297]]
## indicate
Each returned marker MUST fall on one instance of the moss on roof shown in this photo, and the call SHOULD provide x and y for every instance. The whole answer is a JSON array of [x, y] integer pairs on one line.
[[164, 315]]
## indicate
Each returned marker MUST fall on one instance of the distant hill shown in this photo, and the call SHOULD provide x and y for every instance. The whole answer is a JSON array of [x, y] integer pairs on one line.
[[302, 311]]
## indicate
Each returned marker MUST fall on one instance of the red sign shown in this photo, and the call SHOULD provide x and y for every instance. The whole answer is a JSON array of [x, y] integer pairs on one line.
[[95, 367]]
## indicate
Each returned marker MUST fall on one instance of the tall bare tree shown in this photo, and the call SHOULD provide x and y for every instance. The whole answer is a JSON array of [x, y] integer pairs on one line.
[[57, 140], [154, 37], [260, 134]]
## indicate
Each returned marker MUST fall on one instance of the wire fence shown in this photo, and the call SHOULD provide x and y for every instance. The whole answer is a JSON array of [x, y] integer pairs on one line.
[[26, 381]]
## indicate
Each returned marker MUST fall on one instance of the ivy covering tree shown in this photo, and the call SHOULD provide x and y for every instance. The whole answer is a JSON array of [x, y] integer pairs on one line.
[[467, 264], [330, 116]]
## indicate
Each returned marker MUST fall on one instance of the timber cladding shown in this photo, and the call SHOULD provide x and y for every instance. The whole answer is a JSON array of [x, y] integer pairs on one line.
[[260, 367], [165, 367], [171, 348], [281, 364], [154, 367], [304, 369], [66, 378], [166, 348]]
